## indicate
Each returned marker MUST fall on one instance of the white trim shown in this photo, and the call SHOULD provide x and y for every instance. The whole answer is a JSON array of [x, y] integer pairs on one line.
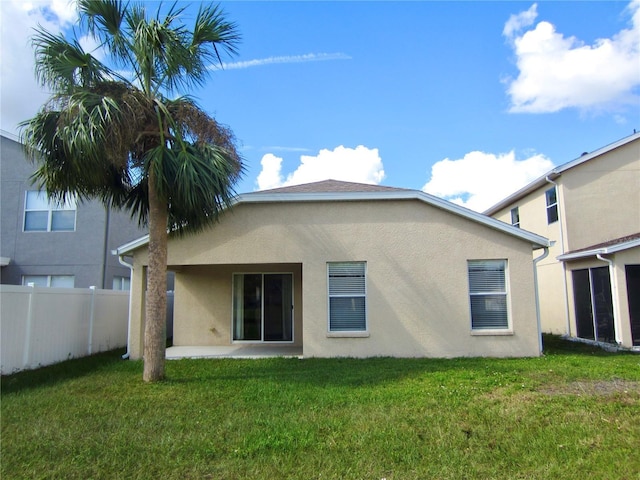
[[508, 329], [494, 332], [348, 333], [537, 241], [10, 136], [600, 251], [69, 205], [557, 171], [351, 334]]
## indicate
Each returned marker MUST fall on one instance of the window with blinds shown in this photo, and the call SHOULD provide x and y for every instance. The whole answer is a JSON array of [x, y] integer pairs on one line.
[[488, 294], [347, 296]]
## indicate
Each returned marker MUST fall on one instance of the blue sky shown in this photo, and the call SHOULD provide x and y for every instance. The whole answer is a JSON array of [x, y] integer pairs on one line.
[[466, 100]]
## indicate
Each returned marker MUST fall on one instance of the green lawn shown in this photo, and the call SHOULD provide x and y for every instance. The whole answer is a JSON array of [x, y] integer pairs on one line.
[[573, 413]]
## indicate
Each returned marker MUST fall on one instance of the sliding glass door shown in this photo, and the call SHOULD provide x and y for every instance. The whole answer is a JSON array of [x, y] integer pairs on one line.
[[263, 307], [593, 304]]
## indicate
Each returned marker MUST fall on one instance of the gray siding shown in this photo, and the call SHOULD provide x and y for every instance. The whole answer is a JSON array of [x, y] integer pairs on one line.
[[84, 253]]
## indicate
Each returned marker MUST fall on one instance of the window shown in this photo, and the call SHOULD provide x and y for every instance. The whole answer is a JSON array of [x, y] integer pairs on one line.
[[44, 215], [347, 297], [121, 283], [488, 294], [515, 217], [56, 281], [552, 205]]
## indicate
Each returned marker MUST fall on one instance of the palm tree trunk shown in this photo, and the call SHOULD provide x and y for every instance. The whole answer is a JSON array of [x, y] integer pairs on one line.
[[155, 328]]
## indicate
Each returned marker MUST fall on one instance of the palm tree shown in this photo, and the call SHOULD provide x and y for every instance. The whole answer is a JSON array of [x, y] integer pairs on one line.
[[116, 135]]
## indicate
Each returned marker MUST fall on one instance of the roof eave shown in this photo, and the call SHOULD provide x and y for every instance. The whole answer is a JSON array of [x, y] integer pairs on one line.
[[536, 241], [557, 171], [527, 189], [131, 246], [600, 251]]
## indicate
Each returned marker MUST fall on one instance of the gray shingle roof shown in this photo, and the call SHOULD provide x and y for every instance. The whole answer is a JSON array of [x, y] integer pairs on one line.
[[332, 186]]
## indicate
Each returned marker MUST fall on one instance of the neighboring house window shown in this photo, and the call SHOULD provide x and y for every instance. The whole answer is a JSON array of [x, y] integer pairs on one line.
[[57, 281], [44, 215], [488, 294], [552, 205], [347, 296], [515, 217], [121, 283]]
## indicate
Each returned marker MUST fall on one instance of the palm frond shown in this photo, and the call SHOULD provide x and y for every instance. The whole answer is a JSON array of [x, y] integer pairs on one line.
[[103, 20], [63, 65], [212, 33], [101, 137]]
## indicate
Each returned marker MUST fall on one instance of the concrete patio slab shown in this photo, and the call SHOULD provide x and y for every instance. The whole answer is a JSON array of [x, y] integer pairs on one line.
[[234, 351]]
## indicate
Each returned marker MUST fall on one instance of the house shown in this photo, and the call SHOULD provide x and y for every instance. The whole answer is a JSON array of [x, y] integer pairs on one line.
[[55, 245], [590, 207], [345, 269]]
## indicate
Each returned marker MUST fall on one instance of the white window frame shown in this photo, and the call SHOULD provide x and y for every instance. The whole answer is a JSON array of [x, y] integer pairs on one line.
[[507, 329], [515, 212], [49, 279], [118, 283], [52, 206], [553, 205], [363, 332]]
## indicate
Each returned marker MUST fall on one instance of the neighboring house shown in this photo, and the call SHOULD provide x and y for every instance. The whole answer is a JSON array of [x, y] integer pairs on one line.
[[589, 286], [345, 269], [56, 245]]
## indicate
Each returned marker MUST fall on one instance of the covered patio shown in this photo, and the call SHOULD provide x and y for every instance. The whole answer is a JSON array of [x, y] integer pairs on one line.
[[234, 351]]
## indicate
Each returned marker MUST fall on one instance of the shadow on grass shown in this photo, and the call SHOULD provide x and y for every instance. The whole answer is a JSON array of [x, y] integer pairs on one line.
[[337, 372], [556, 345], [321, 372], [67, 370]]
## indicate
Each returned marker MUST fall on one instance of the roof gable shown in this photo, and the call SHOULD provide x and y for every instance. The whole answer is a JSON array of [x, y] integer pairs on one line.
[[331, 186], [557, 171], [336, 191]]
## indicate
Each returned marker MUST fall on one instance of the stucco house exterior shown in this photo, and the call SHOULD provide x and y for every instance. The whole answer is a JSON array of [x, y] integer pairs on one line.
[[589, 285], [344, 269], [52, 245]]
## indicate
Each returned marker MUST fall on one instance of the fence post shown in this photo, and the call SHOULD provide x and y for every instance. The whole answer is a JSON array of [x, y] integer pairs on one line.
[[26, 351], [91, 316]]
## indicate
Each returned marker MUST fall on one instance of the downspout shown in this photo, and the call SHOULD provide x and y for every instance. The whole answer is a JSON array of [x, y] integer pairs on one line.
[[564, 265], [105, 256], [614, 295], [544, 255], [122, 262]]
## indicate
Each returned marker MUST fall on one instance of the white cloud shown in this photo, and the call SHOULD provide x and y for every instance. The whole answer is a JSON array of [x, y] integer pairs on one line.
[[519, 21], [307, 57], [360, 164], [22, 96], [270, 176], [480, 180], [557, 72]]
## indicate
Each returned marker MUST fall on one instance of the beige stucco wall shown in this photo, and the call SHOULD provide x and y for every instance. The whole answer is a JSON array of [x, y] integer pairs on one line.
[[417, 286], [602, 197], [533, 217], [203, 305], [598, 201]]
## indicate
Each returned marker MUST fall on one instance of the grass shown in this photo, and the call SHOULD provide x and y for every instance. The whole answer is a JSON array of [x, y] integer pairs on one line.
[[573, 413]]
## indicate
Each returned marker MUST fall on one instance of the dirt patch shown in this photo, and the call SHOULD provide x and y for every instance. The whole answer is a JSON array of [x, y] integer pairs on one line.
[[592, 387]]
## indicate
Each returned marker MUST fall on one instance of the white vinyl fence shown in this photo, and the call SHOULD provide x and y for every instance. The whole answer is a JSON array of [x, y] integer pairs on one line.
[[41, 326]]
